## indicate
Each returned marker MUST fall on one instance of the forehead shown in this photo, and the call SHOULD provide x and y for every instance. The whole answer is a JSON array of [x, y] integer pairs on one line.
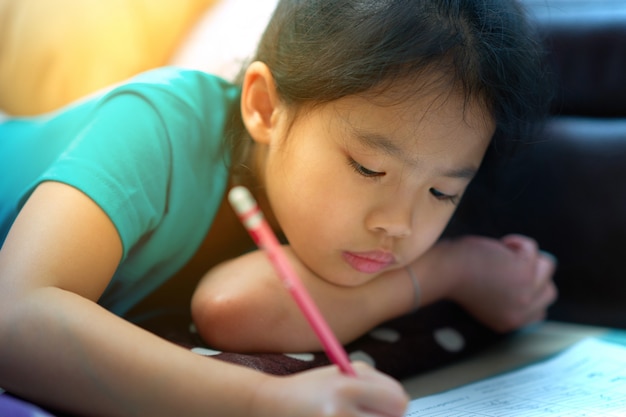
[[403, 125]]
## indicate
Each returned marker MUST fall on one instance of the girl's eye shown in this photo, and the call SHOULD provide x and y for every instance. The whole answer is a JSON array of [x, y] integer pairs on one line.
[[361, 170], [444, 197]]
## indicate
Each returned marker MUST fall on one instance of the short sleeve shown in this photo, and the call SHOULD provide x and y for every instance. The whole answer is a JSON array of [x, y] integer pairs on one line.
[[121, 159], [150, 152]]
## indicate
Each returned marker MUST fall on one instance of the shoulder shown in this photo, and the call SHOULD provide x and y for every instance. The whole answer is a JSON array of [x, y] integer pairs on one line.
[[180, 99], [190, 86]]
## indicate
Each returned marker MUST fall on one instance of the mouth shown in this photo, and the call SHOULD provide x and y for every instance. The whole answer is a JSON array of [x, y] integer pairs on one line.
[[369, 262]]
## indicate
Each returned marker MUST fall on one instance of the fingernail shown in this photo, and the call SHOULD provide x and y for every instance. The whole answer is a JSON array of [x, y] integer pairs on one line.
[[549, 256]]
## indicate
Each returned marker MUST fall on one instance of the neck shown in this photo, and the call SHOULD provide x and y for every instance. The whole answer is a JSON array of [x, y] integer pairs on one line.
[[251, 174]]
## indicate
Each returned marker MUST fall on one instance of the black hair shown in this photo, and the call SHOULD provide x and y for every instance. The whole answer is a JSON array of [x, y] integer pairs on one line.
[[322, 50]]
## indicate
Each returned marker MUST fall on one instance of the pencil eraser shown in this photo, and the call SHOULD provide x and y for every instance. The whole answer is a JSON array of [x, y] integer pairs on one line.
[[241, 199]]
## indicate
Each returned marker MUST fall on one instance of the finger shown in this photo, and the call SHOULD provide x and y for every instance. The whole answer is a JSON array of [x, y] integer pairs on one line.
[[547, 296], [369, 374], [535, 317], [549, 256], [384, 398], [366, 413], [521, 244], [542, 300], [544, 271], [382, 402]]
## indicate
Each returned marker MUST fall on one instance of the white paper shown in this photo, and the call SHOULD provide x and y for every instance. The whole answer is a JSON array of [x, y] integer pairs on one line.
[[587, 379]]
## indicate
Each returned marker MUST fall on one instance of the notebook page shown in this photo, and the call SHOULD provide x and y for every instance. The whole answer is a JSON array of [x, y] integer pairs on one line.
[[587, 379]]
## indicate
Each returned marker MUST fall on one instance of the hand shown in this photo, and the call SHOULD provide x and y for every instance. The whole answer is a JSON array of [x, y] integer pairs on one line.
[[506, 283], [326, 392]]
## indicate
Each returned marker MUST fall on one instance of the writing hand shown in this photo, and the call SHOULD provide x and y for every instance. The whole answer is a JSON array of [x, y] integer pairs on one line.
[[326, 392]]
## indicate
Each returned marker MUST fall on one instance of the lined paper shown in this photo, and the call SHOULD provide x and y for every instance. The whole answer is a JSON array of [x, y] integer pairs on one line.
[[587, 379]]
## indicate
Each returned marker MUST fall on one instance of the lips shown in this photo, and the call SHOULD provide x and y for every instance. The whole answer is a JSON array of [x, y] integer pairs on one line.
[[369, 262]]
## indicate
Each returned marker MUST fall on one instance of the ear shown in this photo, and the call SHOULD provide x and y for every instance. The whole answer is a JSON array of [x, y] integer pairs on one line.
[[259, 102]]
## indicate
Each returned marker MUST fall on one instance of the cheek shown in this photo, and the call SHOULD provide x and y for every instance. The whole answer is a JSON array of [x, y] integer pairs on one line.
[[319, 210], [299, 204], [317, 216], [307, 185], [430, 230]]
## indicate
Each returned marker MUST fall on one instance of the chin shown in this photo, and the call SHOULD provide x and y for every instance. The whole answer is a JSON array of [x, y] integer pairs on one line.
[[348, 279]]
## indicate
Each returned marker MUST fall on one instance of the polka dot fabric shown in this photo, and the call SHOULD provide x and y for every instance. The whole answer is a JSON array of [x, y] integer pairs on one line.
[[429, 338]]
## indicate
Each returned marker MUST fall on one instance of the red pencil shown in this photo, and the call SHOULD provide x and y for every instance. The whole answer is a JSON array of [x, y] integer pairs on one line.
[[252, 218]]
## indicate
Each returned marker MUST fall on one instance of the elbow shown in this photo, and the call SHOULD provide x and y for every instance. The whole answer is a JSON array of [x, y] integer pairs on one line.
[[222, 322], [211, 315]]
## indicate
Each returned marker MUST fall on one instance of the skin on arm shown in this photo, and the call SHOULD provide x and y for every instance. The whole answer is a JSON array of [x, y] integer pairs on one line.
[[62, 350], [242, 305], [505, 283]]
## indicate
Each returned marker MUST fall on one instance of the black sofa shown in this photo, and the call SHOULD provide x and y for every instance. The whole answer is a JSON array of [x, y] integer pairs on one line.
[[567, 189]]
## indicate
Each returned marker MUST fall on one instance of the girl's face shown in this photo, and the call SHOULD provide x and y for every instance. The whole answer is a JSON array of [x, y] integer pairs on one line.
[[364, 185]]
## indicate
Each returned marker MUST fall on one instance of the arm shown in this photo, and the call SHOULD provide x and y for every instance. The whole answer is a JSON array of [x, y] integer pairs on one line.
[[52, 350], [241, 305], [505, 283]]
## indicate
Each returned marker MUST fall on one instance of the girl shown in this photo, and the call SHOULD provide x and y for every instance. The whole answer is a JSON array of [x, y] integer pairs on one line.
[[358, 126]]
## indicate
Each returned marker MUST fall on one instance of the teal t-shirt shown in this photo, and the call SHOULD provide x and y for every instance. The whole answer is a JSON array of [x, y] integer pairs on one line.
[[149, 152]]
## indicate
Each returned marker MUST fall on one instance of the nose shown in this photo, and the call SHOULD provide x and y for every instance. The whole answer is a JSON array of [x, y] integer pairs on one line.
[[392, 217]]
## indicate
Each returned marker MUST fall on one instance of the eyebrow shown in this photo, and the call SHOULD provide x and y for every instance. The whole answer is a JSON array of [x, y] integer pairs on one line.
[[386, 145], [462, 173]]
